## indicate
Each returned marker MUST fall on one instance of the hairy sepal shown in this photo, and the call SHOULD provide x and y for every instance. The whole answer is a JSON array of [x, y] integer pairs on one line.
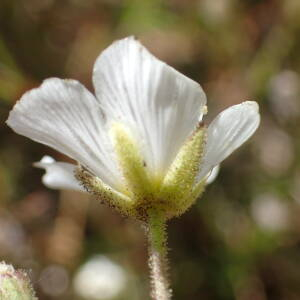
[[131, 162], [179, 182], [191, 198], [103, 192]]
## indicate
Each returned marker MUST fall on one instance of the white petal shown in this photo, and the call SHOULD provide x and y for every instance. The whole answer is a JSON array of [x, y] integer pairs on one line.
[[64, 115], [160, 105], [59, 175], [228, 131], [212, 175]]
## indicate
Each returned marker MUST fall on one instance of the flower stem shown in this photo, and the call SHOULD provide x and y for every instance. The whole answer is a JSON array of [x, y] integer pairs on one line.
[[158, 262]]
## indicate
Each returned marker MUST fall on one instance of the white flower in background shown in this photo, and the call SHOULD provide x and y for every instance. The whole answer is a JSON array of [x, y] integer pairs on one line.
[[139, 138], [59, 175], [270, 212], [100, 279]]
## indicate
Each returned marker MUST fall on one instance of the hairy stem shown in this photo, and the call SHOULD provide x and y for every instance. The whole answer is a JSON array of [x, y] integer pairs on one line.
[[158, 263]]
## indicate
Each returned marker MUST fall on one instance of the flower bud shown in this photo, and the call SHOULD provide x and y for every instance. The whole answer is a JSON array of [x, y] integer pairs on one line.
[[14, 284]]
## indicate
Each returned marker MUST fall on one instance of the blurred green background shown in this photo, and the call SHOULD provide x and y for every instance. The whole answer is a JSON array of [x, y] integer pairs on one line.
[[241, 240]]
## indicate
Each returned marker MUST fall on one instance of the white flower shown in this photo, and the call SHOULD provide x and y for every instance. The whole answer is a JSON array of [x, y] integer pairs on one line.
[[59, 175], [100, 279], [159, 108]]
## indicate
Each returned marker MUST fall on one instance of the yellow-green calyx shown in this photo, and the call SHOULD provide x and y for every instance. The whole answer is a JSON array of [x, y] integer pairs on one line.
[[170, 195], [132, 164]]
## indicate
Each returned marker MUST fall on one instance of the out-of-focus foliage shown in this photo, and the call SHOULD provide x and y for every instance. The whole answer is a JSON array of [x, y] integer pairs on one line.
[[241, 240]]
